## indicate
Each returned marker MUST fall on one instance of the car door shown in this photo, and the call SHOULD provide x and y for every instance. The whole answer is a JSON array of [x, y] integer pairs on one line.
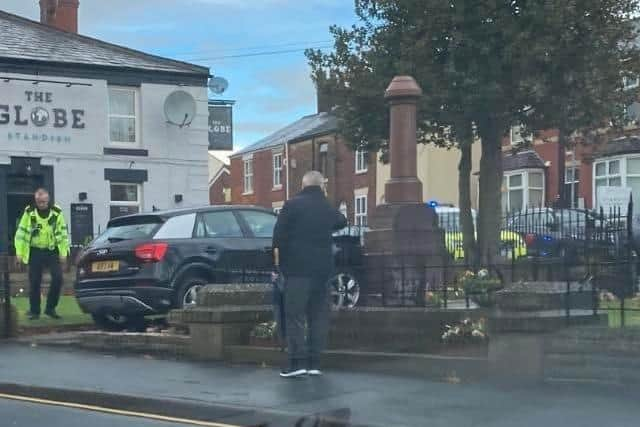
[[221, 240], [259, 225]]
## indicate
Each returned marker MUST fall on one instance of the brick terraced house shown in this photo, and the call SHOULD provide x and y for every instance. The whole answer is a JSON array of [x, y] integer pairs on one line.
[[270, 171]]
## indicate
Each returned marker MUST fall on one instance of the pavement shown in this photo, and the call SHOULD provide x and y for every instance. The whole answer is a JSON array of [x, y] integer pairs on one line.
[[249, 395]]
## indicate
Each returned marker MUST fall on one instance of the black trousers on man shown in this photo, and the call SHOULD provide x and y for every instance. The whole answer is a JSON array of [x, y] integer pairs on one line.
[[306, 304], [39, 259]]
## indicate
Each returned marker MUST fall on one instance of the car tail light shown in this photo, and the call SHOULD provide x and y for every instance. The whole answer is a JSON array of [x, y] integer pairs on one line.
[[151, 252], [530, 239]]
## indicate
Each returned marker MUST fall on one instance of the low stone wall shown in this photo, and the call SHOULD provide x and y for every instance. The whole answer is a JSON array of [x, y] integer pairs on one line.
[[226, 314], [412, 330]]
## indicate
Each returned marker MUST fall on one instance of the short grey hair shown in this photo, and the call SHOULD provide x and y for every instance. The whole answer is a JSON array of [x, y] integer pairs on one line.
[[312, 178]]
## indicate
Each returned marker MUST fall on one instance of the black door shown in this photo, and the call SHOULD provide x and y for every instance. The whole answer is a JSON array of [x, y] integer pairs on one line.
[[259, 226], [220, 239]]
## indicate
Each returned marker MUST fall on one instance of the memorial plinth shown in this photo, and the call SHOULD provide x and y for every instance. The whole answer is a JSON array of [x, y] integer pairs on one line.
[[404, 248]]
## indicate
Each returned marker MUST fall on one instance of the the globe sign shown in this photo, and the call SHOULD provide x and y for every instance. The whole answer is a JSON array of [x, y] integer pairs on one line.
[[39, 116]]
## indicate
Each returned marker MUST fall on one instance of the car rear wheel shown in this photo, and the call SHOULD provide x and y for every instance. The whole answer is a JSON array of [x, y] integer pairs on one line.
[[115, 322], [188, 291]]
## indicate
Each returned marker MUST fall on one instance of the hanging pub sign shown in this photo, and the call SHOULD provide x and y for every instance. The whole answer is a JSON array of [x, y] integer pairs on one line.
[[220, 127]]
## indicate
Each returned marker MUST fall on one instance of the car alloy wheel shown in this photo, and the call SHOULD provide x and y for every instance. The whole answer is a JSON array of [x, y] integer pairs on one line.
[[190, 296], [345, 291]]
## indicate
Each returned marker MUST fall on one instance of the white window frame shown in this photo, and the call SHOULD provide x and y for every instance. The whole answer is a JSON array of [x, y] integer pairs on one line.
[[137, 203], [361, 210], [515, 135], [277, 170], [247, 175], [524, 186], [573, 182], [629, 83], [622, 173], [362, 163], [135, 117]]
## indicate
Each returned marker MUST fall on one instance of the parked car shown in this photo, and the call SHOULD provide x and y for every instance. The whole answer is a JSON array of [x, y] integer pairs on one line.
[[511, 243], [567, 232], [153, 262], [150, 263]]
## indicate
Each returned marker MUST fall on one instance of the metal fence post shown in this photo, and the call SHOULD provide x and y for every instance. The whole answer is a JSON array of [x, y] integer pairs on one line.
[[6, 292]]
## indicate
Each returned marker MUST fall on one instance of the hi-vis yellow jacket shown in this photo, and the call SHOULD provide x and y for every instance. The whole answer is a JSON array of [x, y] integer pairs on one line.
[[43, 233]]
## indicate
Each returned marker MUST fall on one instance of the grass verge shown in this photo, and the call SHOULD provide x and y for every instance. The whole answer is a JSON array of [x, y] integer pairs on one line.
[[67, 308]]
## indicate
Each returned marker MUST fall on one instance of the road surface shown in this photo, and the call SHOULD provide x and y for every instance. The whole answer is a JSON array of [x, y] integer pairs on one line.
[[25, 414]]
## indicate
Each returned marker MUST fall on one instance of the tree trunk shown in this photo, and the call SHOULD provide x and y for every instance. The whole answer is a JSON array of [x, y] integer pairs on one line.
[[465, 141], [489, 212]]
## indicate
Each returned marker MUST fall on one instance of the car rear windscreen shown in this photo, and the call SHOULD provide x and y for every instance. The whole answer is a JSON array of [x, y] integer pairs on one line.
[[136, 231]]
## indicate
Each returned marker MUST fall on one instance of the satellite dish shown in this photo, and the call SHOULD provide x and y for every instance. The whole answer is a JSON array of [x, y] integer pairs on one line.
[[180, 108], [218, 85]]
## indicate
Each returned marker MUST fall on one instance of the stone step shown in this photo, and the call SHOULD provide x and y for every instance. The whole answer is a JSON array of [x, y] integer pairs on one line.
[[160, 344]]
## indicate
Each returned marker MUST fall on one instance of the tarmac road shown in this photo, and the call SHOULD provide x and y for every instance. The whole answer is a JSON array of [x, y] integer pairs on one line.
[[25, 414]]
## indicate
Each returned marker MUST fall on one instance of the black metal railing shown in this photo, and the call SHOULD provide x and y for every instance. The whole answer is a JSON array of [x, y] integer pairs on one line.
[[5, 295]]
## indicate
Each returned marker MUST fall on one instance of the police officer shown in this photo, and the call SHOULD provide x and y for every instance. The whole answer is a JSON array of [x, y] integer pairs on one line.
[[42, 242]]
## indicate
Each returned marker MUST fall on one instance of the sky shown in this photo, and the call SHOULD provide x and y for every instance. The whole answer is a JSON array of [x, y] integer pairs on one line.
[[235, 38]]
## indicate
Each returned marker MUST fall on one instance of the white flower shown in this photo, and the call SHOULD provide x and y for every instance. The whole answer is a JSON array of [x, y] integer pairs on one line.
[[477, 333]]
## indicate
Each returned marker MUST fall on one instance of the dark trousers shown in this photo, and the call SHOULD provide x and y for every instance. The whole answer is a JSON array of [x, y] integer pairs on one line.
[[39, 259], [306, 305]]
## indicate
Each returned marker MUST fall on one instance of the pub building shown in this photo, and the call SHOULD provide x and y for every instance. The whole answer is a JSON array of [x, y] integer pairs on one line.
[[87, 120]]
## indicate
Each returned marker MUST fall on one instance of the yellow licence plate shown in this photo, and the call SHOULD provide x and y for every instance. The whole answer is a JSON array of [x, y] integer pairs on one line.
[[105, 266]]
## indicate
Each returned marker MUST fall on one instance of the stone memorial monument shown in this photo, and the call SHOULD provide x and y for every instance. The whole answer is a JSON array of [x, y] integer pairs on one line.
[[404, 248]]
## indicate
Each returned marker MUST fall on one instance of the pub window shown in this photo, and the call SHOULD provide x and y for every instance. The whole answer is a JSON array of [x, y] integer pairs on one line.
[[125, 199], [123, 122]]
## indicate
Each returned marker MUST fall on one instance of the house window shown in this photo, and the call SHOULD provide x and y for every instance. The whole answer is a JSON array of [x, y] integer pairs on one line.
[[125, 199], [516, 135], [361, 211], [277, 171], [522, 189], [123, 123], [248, 176], [618, 172], [362, 157], [572, 185], [630, 82], [323, 159]]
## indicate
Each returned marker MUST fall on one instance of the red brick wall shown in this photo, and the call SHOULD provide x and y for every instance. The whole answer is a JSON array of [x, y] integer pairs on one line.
[[263, 192], [341, 178], [303, 157], [216, 189]]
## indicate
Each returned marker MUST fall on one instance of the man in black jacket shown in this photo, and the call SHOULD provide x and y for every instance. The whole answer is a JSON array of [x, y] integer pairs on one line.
[[303, 237]]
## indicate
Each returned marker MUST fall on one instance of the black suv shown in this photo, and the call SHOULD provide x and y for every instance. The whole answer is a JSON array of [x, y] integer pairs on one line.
[[150, 263]]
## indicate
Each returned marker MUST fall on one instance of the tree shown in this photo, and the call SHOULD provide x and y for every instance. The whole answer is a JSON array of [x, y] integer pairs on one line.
[[585, 50], [462, 55], [483, 65]]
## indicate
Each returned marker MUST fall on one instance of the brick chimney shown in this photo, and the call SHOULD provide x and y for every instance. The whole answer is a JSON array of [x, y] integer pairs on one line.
[[62, 14]]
